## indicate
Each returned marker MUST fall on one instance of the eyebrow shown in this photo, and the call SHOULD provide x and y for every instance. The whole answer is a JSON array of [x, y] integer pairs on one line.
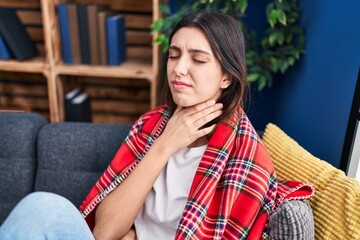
[[172, 47]]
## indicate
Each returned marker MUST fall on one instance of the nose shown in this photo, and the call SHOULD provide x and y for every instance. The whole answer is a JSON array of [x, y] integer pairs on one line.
[[181, 67]]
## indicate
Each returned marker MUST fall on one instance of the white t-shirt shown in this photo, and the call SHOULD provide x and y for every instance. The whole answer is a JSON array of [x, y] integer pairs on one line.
[[163, 207]]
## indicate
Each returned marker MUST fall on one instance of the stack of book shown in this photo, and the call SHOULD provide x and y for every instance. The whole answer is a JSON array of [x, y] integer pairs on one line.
[[15, 42], [90, 34], [77, 106]]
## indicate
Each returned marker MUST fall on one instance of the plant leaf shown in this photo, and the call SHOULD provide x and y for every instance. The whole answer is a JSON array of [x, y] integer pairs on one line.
[[261, 82], [157, 25], [165, 9], [252, 77], [279, 37], [273, 17], [282, 17]]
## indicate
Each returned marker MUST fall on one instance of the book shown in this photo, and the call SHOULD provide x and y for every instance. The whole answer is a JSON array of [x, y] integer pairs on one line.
[[77, 106], [74, 33], [67, 101], [116, 41], [66, 47], [70, 95], [103, 36], [5, 52], [84, 33], [80, 109], [15, 35], [94, 36]]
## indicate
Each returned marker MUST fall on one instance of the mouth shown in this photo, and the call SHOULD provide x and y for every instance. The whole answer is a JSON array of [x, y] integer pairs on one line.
[[179, 84]]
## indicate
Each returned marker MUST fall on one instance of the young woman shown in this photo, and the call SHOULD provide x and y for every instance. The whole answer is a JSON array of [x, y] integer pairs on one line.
[[193, 168]]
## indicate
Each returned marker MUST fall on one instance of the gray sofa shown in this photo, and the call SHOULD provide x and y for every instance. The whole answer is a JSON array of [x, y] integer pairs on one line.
[[67, 159], [64, 158]]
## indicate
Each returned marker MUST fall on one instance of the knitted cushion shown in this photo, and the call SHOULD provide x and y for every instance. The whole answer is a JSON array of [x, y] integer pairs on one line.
[[292, 220], [335, 205]]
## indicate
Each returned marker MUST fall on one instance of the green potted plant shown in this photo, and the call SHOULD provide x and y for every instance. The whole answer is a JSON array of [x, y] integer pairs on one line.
[[279, 47]]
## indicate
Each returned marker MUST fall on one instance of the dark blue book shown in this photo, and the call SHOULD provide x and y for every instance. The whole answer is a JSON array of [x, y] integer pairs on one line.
[[84, 33], [79, 109], [5, 52], [67, 100], [15, 35], [116, 42], [65, 33]]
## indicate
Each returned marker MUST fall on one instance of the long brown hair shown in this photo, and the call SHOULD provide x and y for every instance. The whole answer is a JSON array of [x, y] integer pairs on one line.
[[227, 42]]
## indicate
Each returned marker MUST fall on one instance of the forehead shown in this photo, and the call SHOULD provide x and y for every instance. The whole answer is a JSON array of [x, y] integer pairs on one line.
[[191, 38]]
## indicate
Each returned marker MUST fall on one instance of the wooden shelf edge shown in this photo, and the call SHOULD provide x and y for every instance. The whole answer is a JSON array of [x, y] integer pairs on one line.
[[125, 70], [36, 65], [20, 4]]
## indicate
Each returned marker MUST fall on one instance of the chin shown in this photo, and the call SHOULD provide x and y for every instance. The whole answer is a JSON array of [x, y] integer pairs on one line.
[[184, 103], [181, 102]]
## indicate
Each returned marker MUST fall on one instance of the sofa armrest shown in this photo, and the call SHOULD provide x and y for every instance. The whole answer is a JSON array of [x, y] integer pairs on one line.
[[18, 134]]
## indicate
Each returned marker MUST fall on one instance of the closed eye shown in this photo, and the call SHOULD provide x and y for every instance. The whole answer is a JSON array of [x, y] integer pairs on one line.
[[198, 61]]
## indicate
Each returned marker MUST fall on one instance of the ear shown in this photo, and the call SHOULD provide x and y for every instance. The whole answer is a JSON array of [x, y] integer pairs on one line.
[[225, 81]]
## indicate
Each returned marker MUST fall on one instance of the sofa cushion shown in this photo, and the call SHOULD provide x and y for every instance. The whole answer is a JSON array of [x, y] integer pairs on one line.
[[18, 133], [335, 206], [72, 156]]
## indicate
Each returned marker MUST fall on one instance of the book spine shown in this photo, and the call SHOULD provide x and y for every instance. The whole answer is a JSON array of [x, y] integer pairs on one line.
[[103, 36], [65, 33], [122, 39], [84, 33], [4, 50], [93, 34], [74, 33], [80, 108], [116, 40], [15, 35]]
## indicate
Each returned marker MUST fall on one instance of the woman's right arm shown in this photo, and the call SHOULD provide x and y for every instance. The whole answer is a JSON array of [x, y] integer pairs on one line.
[[130, 235], [117, 212]]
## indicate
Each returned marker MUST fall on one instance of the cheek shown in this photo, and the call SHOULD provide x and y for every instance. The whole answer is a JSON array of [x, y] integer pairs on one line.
[[169, 69]]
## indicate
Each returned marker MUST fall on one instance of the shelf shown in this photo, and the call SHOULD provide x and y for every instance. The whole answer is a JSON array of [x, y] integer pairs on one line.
[[35, 65], [20, 3], [41, 19], [129, 69]]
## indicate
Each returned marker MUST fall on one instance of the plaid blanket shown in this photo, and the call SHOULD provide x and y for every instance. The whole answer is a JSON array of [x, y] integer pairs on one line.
[[234, 188]]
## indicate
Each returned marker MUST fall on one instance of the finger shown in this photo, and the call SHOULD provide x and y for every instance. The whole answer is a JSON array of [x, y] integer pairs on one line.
[[207, 118], [209, 110], [199, 107], [206, 131]]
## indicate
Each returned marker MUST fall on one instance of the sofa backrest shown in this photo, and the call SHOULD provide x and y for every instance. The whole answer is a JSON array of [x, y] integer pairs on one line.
[[18, 135], [72, 156]]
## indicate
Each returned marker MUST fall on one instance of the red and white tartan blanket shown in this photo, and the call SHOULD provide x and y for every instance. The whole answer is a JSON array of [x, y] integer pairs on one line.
[[234, 188]]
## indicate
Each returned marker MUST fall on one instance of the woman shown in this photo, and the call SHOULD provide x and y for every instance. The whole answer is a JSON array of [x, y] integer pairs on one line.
[[198, 169], [195, 167]]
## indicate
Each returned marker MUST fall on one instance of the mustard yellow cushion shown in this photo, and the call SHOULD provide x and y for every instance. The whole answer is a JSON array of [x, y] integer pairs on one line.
[[336, 204]]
